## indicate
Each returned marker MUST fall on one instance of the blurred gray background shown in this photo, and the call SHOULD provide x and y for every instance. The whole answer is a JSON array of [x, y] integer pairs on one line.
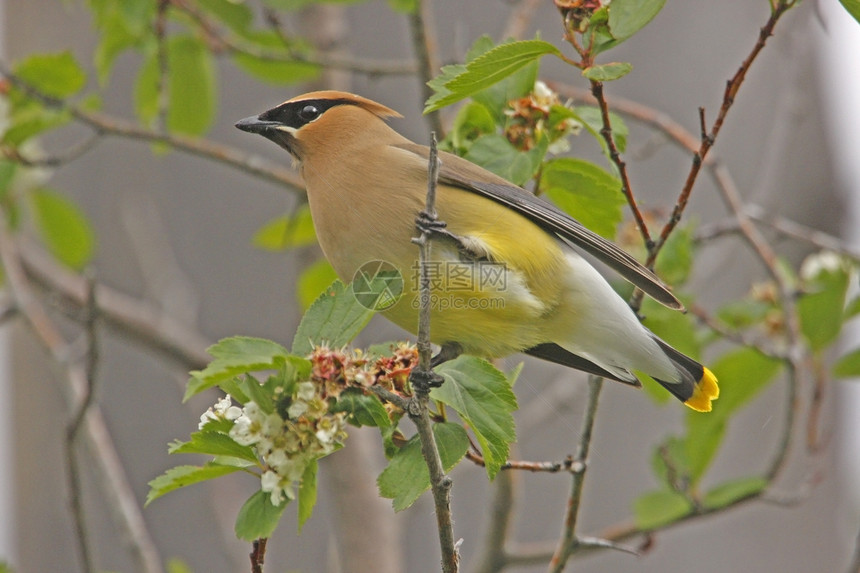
[[177, 230]]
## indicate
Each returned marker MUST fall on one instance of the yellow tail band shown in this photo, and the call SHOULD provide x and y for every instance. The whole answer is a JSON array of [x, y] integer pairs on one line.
[[706, 390]]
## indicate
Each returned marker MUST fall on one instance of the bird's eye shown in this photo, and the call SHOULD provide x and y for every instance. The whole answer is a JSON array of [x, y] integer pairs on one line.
[[309, 113]]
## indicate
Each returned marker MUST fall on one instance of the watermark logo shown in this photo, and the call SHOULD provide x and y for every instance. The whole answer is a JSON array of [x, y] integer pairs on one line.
[[377, 285]]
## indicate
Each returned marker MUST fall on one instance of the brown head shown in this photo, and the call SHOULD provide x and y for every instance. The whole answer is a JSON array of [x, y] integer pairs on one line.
[[320, 121]]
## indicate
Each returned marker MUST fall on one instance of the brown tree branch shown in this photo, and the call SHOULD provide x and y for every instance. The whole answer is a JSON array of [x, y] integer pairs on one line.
[[108, 466], [425, 45], [104, 124]]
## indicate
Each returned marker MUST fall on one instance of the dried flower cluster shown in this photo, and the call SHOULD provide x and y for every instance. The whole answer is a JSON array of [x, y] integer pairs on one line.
[[531, 119], [302, 427]]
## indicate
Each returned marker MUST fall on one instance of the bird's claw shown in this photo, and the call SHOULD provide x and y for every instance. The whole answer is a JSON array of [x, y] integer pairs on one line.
[[424, 380]]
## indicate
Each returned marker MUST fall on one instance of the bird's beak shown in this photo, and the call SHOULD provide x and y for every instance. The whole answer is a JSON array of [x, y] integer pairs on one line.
[[254, 124], [271, 130]]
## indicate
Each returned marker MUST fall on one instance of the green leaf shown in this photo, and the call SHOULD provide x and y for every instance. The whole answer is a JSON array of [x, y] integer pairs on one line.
[[363, 409], [676, 257], [336, 317], [483, 398], [64, 228], [55, 75], [234, 356], [257, 393], [314, 280], [472, 121], [458, 82], [299, 4], [607, 72], [732, 491], [116, 37], [307, 493], [586, 192], [258, 518], [626, 17], [676, 328], [177, 565], [592, 119], [404, 6], [235, 15], [669, 462], [822, 310], [191, 86], [852, 7], [407, 476], [284, 69], [848, 366], [742, 374], [495, 153], [29, 119], [656, 509], [295, 229], [182, 476], [213, 444]]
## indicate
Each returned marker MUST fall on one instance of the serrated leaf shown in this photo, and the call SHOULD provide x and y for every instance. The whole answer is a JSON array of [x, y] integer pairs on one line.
[[407, 476], [586, 192], [258, 518], [656, 509], [182, 476], [742, 374], [495, 153], [336, 317], [313, 280], [55, 75], [607, 72], [458, 82], [283, 70], [234, 356], [848, 366], [307, 493], [213, 444], [362, 409], [483, 398], [294, 229], [192, 86], [732, 491], [30, 119], [63, 227]]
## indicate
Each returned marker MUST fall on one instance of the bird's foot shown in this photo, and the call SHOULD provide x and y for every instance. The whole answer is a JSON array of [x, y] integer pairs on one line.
[[424, 380]]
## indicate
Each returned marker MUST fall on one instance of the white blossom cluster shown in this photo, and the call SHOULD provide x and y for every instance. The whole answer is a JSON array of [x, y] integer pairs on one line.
[[286, 446]]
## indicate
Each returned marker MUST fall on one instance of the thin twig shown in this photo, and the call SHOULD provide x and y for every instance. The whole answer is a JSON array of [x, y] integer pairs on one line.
[[424, 43], [104, 124], [567, 465], [108, 466], [493, 559], [231, 44], [74, 428], [568, 541], [137, 319], [417, 408], [258, 555], [615, 156], [709, 136]]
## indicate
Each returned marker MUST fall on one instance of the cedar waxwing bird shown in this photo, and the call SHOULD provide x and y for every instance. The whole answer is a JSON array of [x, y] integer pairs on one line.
[[505, 277]]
